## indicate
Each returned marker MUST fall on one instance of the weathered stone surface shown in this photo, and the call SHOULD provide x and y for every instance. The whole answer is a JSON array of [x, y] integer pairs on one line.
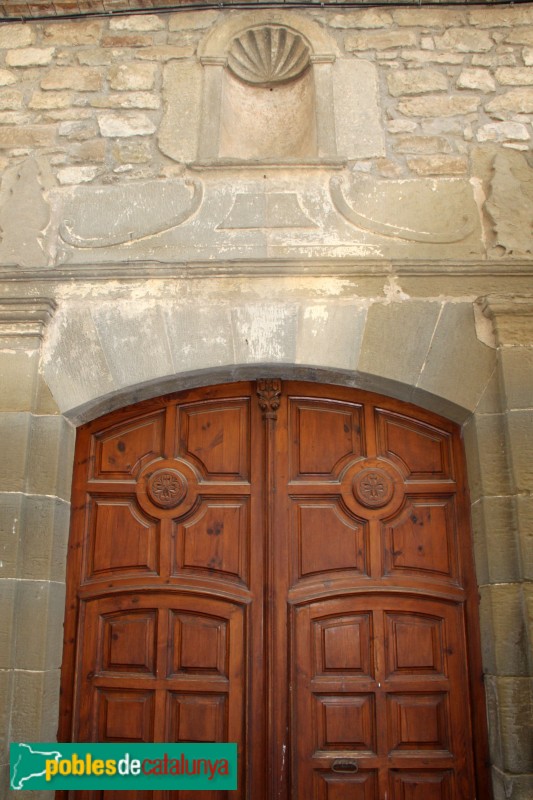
[[10, 99], [518, 101], [520, 426], [416, 82], [401, 126], [500, 17], [132, 77], [486, 450], [24, 215], [15, 434], [30, 57], [185, 20], [127, 40], [6, 686], [11, 507], [517, 371], [520, 787], [524, 506], [422, 144], [397, 338], [7, 601], [455, 343], [50, 456], [510, 203], [503, 629], [438, 165], [38, 646], [502, 132], [330, 334], [164, 52], [7, 78], [144, 100], [35, 706], [78, 130], [496, 540], [48, 100], [75, 175], [179, 130], [514, 76], [439, 105], [80, 32], [42, 526], [527, 54], [127, 151], [264, 333], [376, 40], [120, 125], [82, 79], [12, 36], [479, 79], [18, 367], [358, 126], [520, 36], [144, 22], [428, 56], [427, 17], [515, 696], [464, 40]]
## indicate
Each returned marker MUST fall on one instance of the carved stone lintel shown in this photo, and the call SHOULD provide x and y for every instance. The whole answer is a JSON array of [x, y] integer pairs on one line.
[[269, 392], [25, 316]]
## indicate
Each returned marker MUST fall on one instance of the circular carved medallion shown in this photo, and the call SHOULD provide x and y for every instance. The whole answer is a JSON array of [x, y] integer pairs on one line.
[[373, 488], [166, 488]]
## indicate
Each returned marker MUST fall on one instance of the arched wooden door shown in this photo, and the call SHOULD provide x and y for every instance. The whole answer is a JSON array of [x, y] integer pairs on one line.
[[284, 565]]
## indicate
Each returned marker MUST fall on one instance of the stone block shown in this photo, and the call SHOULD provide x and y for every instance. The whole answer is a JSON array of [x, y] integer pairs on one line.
[[507, 785], [134, 341], [517, 373], [520, 429], [265, 333], [501, 17], [485, 446], [38, 646], [79, 32], [503, 630], [358, 125], [7, 78], [18, 368], [10, 100], [11, 504], [192, 20], [127, 40], [464, 40], [422, 144], [458, 365], [520, 36], [397, 338], [6, 689], [416, 82], [76, 175], [514, 76], [502, 132], [515, 698], [145, 22], [7, 622], [50, 457], [439, 105], [179, 131], [199, 338], [43, 101], [144, 100], [14, 435], [165, 52], [35, 706], [30, 57], [132, 77], [16, 36], [73, 363], [126, 151], [496, 540], [82, 79], [491, 399], [432, 56], [330, 334], [515, 101], [122, 125], [427, 17], [438, 165], [43, 525], [27, 136], [379, 40], [524, 509], [527, 54], [478, 79]]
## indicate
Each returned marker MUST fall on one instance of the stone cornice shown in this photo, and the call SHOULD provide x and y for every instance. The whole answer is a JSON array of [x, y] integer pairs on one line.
[[25, 316], [512, 317]]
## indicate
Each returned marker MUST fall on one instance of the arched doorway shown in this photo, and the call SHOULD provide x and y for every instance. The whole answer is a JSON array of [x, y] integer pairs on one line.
[[286, 565]]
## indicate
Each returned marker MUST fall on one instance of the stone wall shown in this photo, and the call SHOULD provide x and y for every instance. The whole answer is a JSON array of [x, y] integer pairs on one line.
[[167, 223]]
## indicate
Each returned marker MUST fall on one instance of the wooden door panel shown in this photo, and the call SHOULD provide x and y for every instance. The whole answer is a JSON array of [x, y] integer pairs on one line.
[[286, 566]]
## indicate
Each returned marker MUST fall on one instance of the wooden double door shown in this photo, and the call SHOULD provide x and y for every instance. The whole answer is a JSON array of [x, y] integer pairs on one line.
[[283, 565]]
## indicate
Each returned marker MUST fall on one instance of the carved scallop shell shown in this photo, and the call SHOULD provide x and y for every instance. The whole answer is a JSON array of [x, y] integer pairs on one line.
[[268, 55]]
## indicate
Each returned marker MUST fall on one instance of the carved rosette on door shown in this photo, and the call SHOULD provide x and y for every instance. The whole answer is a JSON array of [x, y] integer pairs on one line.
[[282, 565]]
